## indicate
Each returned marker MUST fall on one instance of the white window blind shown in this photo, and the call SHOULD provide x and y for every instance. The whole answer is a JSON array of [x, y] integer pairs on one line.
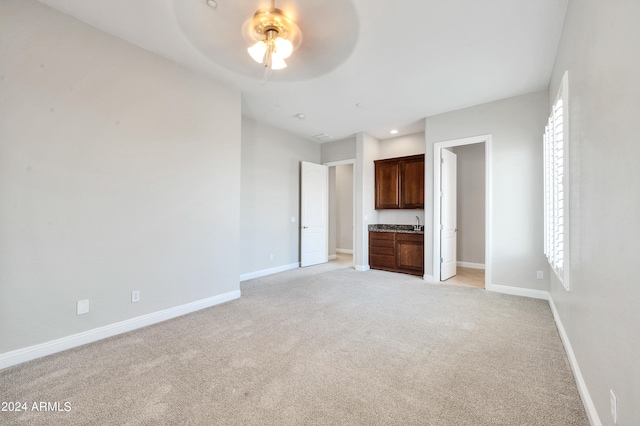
[[555, 186]]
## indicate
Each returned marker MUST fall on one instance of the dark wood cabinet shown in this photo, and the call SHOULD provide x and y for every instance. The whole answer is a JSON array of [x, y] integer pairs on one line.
[[412, 183], [397, 252], [387, 183], [410, 253], [382, 250], [399, 183]]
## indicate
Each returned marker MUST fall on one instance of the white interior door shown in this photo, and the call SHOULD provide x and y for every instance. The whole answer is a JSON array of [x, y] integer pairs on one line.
[[448, 215], [314, 211]]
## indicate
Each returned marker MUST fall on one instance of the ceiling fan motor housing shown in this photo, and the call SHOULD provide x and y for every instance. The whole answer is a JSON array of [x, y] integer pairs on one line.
[[270, 20]]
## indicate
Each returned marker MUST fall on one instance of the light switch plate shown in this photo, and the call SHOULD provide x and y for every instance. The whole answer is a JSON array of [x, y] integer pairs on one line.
[[82, 307]]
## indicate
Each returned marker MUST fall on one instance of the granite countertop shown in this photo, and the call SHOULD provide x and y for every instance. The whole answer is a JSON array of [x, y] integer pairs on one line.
[[403, 229]]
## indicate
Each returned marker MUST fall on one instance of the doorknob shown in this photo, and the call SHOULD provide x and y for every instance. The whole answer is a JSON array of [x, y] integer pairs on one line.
[[305, 227]]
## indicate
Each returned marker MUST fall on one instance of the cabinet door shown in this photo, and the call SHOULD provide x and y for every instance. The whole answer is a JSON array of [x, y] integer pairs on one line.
[[410, 253], [412, 184], [382, 250], [387, 184]]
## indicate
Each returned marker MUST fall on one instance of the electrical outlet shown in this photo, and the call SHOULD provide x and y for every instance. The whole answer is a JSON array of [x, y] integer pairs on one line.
[[135, 296], [82, 307], [540, 275], [614, 406]]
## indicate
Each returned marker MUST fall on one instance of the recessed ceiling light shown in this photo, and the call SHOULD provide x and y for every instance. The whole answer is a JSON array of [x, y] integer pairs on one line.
[[212, 4], [358, 104], [393, 132], [301, 116]]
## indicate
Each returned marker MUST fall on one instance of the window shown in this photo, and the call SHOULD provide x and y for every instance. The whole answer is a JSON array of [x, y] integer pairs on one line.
[[556, 200]]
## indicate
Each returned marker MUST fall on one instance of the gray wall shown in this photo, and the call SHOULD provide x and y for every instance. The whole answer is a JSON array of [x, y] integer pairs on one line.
[[343, 149], [471, 203], [344, 207], [367, 150], [516, 126], [270, 195], [119, 171], [402, 146], [599, 48]]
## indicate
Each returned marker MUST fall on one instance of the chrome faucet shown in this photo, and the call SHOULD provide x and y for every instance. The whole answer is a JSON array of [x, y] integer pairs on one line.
[[417, 227]]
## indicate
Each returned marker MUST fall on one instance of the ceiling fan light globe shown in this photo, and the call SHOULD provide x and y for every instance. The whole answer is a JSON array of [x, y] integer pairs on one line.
[[277, 62], [284, 48], [257, 51]]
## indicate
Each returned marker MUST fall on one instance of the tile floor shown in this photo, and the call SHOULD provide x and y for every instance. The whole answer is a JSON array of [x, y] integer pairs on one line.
[[468, 276]]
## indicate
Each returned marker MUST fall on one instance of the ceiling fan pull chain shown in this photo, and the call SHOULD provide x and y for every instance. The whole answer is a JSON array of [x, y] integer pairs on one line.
[[267, 55], [266, 76]]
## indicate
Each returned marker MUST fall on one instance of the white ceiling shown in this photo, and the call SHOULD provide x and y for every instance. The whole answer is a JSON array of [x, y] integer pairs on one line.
[[400, 60]]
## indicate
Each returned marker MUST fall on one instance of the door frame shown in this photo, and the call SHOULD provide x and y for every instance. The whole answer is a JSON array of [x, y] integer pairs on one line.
[[353, 219], [437, 148]]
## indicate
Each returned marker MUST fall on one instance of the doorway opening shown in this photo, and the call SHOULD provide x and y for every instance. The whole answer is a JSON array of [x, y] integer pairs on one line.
[[472, 205], [341, 247]]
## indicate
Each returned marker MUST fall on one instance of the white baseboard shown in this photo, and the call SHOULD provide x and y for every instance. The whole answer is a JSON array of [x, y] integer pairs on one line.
[[429, 279], [362, 268], [332, 257], [590, 408], [19, 356], [344, 251], [471, 265], [517, 291], [270, 271]]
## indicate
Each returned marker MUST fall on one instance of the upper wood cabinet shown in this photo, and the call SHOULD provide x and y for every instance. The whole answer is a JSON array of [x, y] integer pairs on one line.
[[399, 183], [387, 184], [412, 183]]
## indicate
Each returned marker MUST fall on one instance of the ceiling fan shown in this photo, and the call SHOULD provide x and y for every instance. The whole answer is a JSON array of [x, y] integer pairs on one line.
[[274, 36]]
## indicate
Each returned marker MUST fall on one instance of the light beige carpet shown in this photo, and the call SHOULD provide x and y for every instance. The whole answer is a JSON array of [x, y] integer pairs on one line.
[[319, 345]]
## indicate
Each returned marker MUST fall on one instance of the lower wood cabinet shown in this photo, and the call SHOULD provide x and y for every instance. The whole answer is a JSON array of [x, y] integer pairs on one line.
[[382, 250], [397, 252]]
